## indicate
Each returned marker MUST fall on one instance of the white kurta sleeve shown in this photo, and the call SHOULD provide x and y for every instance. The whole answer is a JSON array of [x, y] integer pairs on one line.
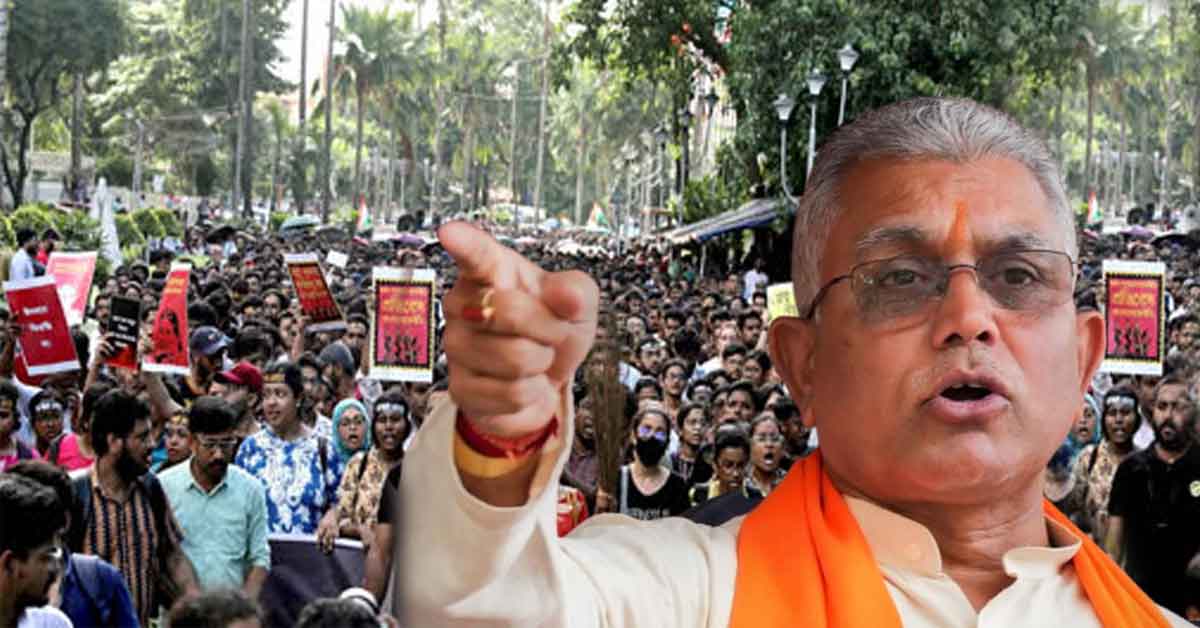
[[461, 562]]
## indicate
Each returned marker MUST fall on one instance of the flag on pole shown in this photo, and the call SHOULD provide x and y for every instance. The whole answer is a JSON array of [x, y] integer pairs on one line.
[[1095, 215], [364, 216]]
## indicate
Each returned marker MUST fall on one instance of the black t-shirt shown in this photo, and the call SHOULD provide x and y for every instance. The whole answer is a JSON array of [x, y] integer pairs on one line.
[[1160, 507], [695, 472], [668, 501], [390, 495]]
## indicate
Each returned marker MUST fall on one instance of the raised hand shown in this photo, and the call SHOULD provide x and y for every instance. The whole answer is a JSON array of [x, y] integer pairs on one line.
[[511, 357]]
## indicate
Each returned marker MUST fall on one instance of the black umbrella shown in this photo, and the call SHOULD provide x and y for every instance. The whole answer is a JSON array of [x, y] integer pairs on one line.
[[220, 234]]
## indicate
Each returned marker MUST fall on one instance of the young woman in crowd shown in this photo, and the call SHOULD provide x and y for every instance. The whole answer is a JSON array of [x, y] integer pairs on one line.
[[766, 452], [299, 468], [647, 489]]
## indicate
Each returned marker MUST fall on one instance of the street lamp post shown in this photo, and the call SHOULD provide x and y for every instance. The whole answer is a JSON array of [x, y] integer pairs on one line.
[[847, 56], [783, 107], [816, 81], [710, 99]]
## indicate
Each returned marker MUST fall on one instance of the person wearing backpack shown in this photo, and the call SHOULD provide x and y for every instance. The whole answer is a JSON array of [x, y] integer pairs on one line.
[[121, 513], [92, 592]]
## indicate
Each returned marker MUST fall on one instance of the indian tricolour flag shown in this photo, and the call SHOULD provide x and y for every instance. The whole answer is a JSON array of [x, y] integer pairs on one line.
[[364, 216], [1095, 215]]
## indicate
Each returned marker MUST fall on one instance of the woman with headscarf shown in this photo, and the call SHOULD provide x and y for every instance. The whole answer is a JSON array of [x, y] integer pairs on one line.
[[363, 481], [1096, 464]]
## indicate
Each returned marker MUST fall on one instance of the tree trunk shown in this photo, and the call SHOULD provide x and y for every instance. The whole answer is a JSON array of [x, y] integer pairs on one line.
[[580, 149], [76, 135], [1058, 132], [275, 169], [16, 184], [327, 173], [300, 176], [1087, 150], [1120, 195], [1166, 165], [359, 93], [434, 201], [1196, 146]]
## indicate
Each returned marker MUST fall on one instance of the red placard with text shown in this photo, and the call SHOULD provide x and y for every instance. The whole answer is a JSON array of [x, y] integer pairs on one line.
[[402, 337], [46, 344], [316, 300], [73, 273], [169, 347], [1134, 317]]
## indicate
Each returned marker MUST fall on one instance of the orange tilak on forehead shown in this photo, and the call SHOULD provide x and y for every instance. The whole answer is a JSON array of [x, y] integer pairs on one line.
[[959, 238]]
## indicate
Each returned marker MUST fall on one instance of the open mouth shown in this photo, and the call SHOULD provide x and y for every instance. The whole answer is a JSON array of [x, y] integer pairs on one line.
[[966, 392]]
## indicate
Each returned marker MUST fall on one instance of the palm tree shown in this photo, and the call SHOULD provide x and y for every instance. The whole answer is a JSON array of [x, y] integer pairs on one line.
[[370, 39]]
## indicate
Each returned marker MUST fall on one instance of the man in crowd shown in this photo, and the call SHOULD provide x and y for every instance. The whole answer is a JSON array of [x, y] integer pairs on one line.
[[30, 557], [91, 592], [122, 514], [939, 352], [221, 509], [23, 265], [1155, 505]]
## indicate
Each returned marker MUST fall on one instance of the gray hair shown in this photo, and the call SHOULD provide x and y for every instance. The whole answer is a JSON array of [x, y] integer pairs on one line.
[[950, 129]]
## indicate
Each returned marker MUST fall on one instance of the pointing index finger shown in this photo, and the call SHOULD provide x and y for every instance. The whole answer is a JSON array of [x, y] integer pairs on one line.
[[483, 260]]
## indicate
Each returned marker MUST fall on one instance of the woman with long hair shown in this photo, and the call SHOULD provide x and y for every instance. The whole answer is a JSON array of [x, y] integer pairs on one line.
[[647, 489]]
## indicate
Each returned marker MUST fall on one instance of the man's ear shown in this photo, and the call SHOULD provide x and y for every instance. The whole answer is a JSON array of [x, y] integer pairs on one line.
[[791, 343], [1089, 328]]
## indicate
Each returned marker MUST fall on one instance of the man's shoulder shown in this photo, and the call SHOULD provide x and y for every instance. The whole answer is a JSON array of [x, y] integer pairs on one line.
[[176, 478], [44, 617]]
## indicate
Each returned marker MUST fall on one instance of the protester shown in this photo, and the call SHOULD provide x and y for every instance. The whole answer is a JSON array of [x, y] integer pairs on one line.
[[1154, 508], [298, 467], [91, 592], [73, 450], [691, 423], [30, 557], [217, 609], [1096, 464], [22, 266], [12, 450], [363, 480], [122, 513], [766, 454], [647, 488], [221, 509]]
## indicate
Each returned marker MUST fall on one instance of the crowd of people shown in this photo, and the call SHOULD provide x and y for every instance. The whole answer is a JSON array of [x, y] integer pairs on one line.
[[129, 496]]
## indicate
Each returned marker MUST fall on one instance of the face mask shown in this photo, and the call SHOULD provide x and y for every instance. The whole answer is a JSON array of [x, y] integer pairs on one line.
[[650, 450]]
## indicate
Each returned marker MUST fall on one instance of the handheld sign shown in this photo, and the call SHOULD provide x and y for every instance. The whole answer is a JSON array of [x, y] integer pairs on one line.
[[1134, 320], [402, 337], [46, 344], [73, 273], [316, 300], [781, 301], [123, 322], [169, 353]]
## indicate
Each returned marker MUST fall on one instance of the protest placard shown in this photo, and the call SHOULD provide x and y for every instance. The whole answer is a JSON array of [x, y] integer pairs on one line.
[[123, 323], [337, 258], [46, 345], [73, 273], [316, 300], [781, 301], [169, 352], [402, 337], [1134, 317]]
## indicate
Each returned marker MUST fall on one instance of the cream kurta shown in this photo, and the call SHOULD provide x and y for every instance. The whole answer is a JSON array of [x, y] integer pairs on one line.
[[461, 562]]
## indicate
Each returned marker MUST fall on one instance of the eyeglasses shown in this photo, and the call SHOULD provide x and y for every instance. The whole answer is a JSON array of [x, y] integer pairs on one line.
[[645, 431], [213, 444], [900, 287], [768, 439]]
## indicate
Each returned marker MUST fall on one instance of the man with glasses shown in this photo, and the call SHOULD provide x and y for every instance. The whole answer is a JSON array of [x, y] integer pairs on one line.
[[1154, 508], [940, 355], [221, 508]]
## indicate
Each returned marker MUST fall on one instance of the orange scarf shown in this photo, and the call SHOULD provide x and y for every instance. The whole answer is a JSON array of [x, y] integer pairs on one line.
[[801, 555]]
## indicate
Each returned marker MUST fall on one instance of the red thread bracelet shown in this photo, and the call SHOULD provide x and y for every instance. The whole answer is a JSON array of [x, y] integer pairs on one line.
[[498, 447]]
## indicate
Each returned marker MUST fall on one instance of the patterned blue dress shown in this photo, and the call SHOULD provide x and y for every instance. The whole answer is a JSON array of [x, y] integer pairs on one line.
[[298, 489]]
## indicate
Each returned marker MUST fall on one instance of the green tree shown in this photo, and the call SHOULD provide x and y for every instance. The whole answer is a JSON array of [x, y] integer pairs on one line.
[[49, 41]]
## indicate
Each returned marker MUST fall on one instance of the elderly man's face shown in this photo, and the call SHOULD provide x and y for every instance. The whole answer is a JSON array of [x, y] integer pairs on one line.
[[879, 392]]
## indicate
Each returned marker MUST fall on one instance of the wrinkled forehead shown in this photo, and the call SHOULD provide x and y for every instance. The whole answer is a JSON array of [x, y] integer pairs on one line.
[[943, 208]]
